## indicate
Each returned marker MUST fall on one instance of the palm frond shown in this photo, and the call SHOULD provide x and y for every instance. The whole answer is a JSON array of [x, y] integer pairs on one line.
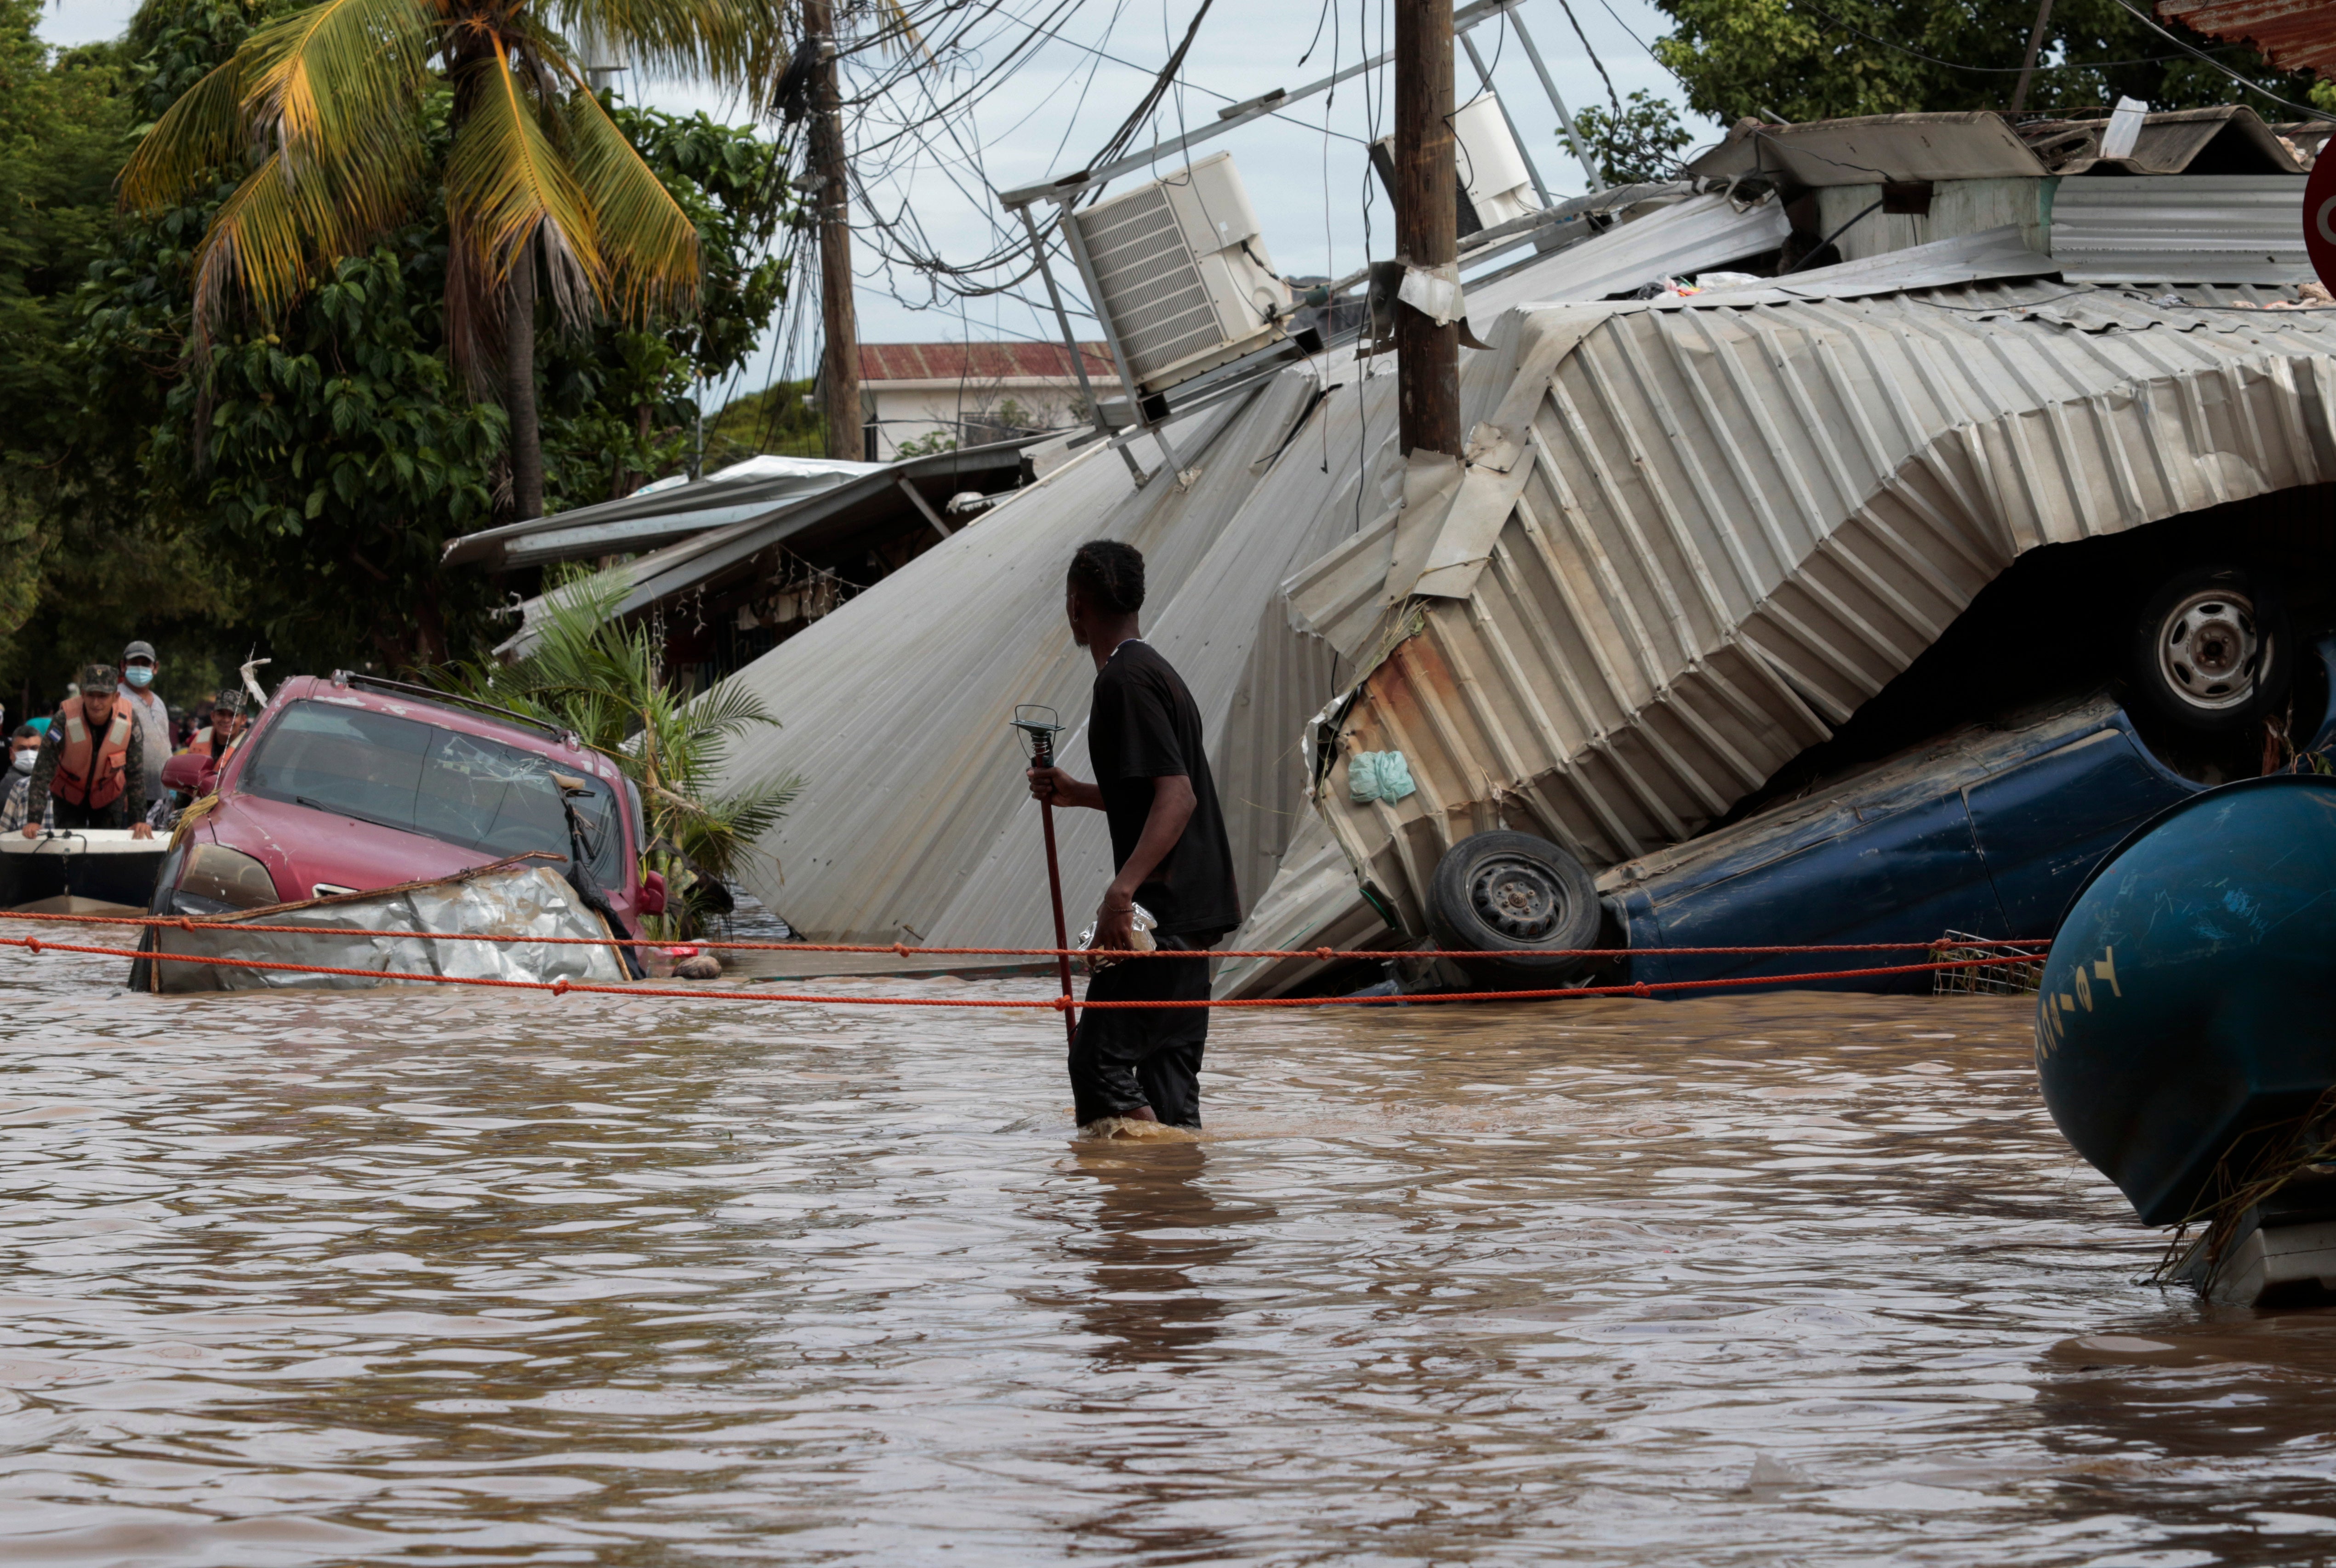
[[262, 239], [334, 87], [203, 129], [734, 44], [507, 187], [648, 241]]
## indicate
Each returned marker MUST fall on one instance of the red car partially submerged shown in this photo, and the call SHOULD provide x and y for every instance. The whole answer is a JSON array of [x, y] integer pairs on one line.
[[353, 783]]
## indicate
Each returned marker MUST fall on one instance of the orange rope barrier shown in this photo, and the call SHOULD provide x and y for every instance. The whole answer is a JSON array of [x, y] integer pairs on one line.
[[901, 949], [562, 987]]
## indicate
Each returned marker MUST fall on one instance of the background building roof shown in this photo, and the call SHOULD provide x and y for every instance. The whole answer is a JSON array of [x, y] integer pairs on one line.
[[880, 362], [2292, 35]]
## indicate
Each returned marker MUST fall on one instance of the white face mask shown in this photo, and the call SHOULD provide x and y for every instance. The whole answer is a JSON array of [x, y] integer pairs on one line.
[[23, 760]]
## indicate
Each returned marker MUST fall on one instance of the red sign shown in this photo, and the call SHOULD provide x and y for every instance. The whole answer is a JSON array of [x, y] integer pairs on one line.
[[2319, 219]]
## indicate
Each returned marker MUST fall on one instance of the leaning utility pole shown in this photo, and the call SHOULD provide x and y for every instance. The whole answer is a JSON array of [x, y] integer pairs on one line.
[[840, 358], [1426, 224], [2035, 47]]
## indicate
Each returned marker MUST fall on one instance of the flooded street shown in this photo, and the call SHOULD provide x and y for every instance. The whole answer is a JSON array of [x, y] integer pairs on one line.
[[470, 1278]]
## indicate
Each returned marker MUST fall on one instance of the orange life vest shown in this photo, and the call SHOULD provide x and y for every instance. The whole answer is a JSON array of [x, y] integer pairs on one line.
[[95, 783]]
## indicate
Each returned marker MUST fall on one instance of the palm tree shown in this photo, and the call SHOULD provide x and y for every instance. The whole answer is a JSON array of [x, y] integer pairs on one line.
[[590, 673], [325, 109]]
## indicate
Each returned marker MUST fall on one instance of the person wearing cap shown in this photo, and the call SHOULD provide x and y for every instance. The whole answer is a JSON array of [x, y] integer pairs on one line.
[[215, 738], [146, 705], [91, 769]]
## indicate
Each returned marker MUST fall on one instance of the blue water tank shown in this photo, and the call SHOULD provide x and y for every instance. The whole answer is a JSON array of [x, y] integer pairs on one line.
[[2191, 992]]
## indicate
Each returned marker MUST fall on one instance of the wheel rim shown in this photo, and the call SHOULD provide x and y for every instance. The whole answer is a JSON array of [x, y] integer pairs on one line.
[[1520, 900], [2207, 650]]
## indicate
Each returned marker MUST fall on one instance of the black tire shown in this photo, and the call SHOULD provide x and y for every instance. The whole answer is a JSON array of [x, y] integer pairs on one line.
[[1516, 899], [2211, 650]]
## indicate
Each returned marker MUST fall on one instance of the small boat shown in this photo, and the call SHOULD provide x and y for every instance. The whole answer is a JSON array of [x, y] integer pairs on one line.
[[2186, 1029], [386, 935], [75, 870]]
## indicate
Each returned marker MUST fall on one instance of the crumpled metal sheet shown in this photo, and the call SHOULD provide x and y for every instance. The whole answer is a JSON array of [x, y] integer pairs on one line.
[[1682, 238], [1434, 292], [372, 931], [915, 825], [1743, 520]]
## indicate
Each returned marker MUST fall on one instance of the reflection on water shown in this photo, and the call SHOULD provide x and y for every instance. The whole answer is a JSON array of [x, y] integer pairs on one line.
[[466, 1278]]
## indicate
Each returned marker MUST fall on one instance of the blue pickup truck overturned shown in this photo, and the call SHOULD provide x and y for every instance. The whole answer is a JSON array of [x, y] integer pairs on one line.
[[1985, 832]]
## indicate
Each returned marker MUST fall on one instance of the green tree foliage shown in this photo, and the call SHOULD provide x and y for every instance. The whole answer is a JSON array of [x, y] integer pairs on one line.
[[331, 461], [621, 404], [327, 457], [604, 679], [781, 418], [82, 570], [1823, 59], [1642, 143], [323, 463], [341, 122]]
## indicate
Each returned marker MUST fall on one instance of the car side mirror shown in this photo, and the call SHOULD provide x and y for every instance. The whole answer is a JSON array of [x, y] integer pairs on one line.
[[652, 893], [191, 772]]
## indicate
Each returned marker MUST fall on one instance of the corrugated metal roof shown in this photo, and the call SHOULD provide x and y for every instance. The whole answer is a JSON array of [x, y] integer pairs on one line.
[[2292, 35], [655, 514], [1983, 144], [2187, 228], [1874, 148], [1682, 238], [1991, 253], [1737, 522], [1763, 413], [705, 551], [2220, 139], [895, 708]]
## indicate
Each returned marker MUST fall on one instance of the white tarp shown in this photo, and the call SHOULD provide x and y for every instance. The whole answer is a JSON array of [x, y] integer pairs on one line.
[[370, 932]]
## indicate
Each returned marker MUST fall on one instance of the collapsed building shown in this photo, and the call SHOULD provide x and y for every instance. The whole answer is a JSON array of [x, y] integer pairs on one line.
[[1696, 535]]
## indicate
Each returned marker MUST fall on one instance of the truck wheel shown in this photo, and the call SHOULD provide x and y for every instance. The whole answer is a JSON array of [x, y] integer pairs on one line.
[[1516, 899], [2210, 649]]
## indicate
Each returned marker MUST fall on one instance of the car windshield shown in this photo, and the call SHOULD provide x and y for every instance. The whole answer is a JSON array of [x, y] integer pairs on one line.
[[421, 778]]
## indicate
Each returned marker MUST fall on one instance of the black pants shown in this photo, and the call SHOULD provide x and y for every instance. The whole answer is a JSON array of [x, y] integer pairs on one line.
[[1122, 1059], [68, 815]]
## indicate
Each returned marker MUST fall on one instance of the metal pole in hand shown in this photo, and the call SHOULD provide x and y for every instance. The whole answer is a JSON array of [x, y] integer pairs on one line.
[[1062, 932], [1040, 733]]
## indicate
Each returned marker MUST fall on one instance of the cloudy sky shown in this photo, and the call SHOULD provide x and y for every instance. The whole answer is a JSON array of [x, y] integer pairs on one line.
[[1307, 173]]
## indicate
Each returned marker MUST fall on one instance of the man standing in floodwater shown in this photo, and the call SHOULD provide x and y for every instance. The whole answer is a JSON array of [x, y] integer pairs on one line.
[[1168, 841]]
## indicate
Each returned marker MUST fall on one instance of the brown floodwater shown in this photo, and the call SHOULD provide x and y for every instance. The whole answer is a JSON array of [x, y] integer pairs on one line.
[[470, 1278]]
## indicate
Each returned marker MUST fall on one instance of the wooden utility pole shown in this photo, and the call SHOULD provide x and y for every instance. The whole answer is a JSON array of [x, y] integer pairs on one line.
[[1426, 223], [840, 358], [519, 397], [2035, 47]]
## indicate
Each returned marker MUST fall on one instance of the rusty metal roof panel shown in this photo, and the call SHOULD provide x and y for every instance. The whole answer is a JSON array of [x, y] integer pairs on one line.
[[2292, 35], [976, 362], [1727, 525], [2182, 228]]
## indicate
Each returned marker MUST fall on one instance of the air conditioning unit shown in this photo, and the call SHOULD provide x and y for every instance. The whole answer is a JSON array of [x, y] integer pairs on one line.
[[1493, 171], [1182, 274], [1496, 183]]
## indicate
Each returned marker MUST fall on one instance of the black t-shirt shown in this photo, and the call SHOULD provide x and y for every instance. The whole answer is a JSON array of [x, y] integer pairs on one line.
[[1145, 725]]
